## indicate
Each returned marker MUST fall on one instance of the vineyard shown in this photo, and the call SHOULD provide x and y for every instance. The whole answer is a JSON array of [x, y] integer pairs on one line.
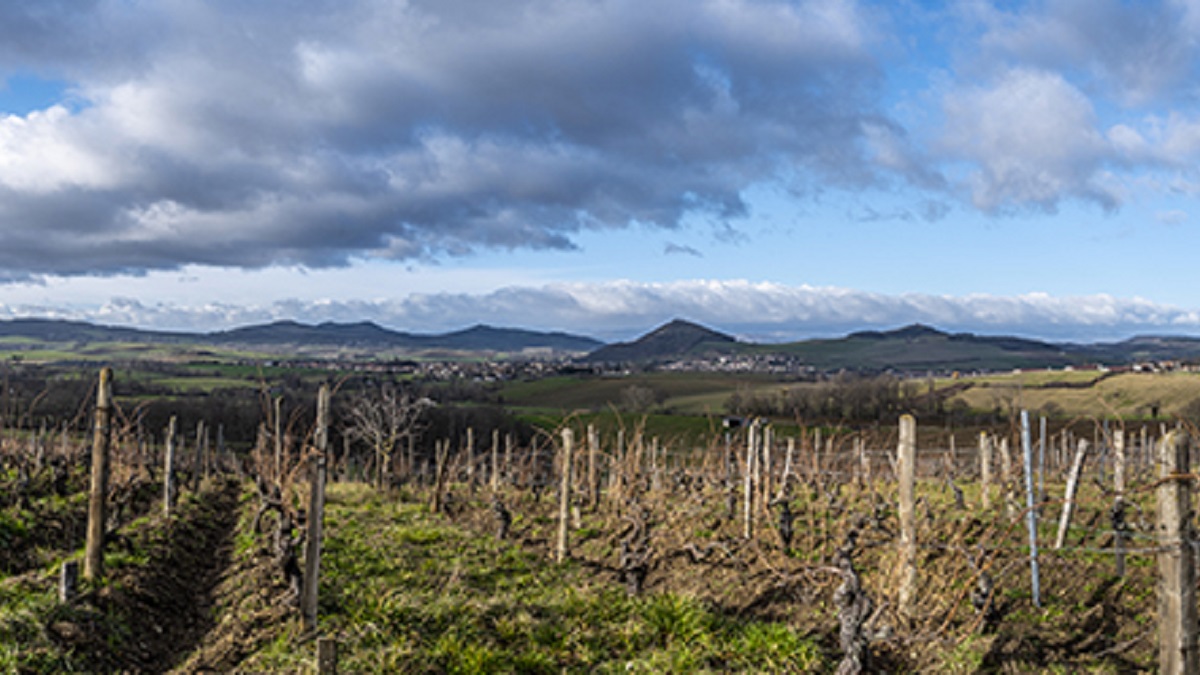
[[1015, 549]]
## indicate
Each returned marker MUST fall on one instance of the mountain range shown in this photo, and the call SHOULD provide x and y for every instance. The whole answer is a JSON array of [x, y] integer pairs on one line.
[[284, 334], [911, 348]]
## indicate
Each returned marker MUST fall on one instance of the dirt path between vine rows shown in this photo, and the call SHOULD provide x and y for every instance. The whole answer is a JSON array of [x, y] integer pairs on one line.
[[151, 614]]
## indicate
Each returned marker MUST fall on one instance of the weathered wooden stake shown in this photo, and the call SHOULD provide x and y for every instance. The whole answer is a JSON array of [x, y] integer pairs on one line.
[[441, 454], [201, 451], [906, 468], [279, 439], [655, 478], [985, 470], [1143, 449], [508, 453], [316, 514], [593, 440], [768, 443], [471, 457], [68, 581], [495, 477], [1120, 533], [93, 562], [1069, 498], [748, 492], [1118, 441], [1177, 646], [1030, 512], [564, 495], [327, 656], [169, 470], [787, 468], [816, 456], [951, 459], [1041, 460], [1006, 478], [863, 460]]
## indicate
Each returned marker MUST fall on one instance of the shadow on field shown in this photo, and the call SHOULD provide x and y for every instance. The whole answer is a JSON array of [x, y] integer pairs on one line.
[[158, 603]]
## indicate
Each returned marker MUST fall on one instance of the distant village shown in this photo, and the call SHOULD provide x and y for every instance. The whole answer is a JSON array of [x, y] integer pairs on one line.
[[782, 365]]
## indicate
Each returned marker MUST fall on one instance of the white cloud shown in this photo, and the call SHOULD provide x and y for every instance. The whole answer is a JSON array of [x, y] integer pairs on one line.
[[246, 135], [1033, 137], [1139, 53], [623, 309]]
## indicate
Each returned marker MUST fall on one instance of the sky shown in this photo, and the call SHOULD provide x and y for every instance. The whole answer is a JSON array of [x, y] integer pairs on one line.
[[774, 169]]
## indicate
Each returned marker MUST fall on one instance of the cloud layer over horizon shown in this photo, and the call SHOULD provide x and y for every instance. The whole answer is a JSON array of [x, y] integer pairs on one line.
[[232, 134], [621, 310]]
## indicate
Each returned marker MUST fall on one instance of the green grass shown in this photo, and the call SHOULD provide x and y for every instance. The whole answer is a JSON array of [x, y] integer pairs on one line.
[[570, 393], [407, 592], [1127, 395]]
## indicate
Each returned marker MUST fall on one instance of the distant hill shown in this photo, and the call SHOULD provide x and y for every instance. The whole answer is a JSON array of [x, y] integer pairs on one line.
[[674, 340], [919, 347], [57, 330], [911, 348], [1143, 348], [284, 334]]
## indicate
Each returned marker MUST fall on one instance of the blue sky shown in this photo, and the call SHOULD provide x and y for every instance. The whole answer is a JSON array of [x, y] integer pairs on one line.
[[774, 169]]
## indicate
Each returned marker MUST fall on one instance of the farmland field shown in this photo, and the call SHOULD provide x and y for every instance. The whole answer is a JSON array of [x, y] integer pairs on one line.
[[666, 555]]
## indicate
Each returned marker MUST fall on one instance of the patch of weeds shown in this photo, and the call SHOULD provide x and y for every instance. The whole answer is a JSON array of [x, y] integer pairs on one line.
[[966, 657], [587, 534], [773, 647]]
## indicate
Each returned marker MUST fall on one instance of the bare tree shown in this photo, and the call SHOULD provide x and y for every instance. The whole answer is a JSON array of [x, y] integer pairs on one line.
[[384, 420]]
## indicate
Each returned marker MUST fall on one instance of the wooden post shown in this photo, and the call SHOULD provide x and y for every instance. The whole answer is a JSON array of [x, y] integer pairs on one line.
[[327, 656], [619, 473], [655, 478], [279, 440], [1069, 498], [1006, 478], [907, 464], [93, 562], [508, 453], [593, 439], [1143, 450], [985, 470], [169, 470], [68, 581], [1177, 650], [864, 460], [951, 459], [471, 457], [1118, 509], [316, 514], [564, 495], [1118, 441], [748, 493], [495, 478], [767, 461], [726, 461], [1030, 512], [816, 458], [201, 452], [787, 468], [1041, 460], [441, 455]]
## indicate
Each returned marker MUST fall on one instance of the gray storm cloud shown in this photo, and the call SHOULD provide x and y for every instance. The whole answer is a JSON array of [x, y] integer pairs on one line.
[[227, 133], [317, 132]]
